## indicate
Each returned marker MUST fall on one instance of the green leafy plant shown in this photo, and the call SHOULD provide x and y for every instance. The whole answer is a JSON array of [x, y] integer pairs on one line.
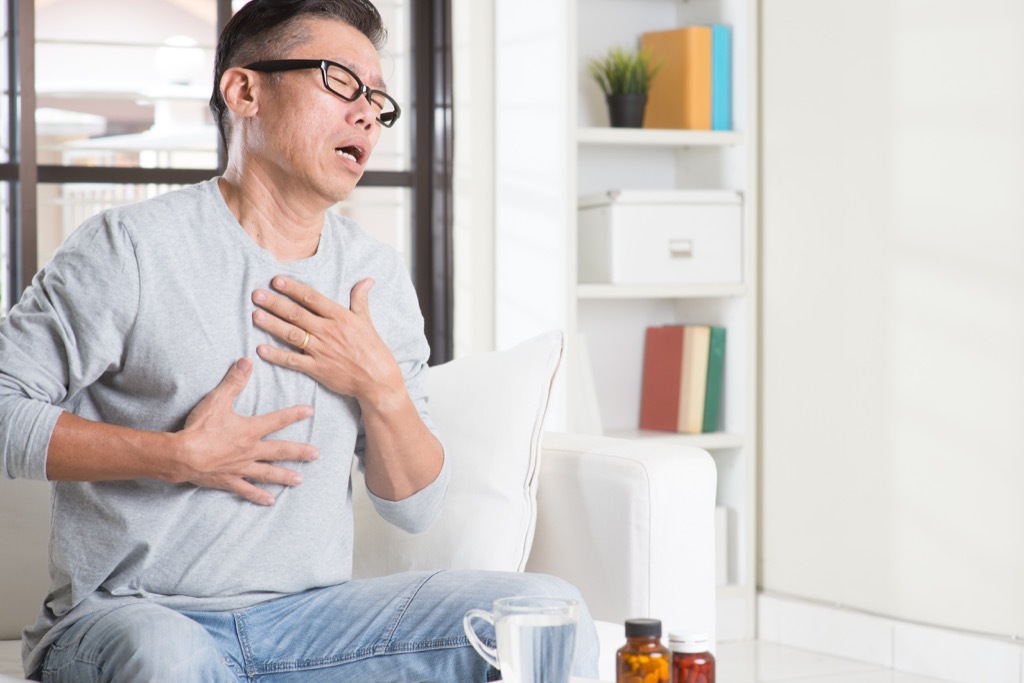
[[623, 71]]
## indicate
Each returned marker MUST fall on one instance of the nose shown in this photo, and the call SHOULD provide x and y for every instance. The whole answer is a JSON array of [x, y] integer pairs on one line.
[[361, 111]]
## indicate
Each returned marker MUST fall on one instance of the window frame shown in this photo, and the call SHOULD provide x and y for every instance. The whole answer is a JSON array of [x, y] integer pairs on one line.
[[430, 179]]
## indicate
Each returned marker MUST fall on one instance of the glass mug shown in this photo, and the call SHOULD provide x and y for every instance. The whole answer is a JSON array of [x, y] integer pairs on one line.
[[536, 638]]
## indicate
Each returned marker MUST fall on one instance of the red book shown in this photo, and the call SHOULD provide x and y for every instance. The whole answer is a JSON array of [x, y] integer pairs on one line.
[[663, 366]]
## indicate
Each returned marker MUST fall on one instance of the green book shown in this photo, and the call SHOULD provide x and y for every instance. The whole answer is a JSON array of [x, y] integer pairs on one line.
[[716, 368]]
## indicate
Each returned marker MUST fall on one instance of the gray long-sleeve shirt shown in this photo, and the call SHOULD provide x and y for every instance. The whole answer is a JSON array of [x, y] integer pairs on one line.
[[137, 317]]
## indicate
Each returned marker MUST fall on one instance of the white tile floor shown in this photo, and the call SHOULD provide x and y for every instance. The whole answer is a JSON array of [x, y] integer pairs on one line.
[[738, 662], [760, 662]]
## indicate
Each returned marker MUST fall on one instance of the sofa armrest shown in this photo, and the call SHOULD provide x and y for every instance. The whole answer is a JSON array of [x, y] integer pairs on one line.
[[631, 524]]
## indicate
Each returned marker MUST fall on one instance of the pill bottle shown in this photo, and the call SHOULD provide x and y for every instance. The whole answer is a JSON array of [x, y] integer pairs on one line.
[[692, 662], [643, 659]]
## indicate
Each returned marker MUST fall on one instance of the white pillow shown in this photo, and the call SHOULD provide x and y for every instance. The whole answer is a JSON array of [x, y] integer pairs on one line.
[[490, 411]]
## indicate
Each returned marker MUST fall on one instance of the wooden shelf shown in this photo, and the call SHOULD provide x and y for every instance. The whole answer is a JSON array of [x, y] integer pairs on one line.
[[638, 137]]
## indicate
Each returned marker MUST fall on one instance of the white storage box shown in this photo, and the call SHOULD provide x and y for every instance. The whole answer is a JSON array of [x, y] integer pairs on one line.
[[660, 237]]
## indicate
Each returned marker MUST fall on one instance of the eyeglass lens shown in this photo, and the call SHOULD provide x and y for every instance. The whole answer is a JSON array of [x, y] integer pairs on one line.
[[345, 84]]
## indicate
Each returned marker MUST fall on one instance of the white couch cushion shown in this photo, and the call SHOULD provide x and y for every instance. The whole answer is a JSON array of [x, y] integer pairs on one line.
[[24, 540], [24, 580], [10, 661], [634, 528], [490, 411]]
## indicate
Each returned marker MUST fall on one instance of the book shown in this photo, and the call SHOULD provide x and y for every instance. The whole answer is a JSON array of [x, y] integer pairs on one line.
[[693, 384], [721, 77], [662, 370], [680, 92], [716, 370]]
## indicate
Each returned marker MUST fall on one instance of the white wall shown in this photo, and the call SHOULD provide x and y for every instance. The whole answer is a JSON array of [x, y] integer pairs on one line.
[[531, 163], [473, 234], [893, 307]]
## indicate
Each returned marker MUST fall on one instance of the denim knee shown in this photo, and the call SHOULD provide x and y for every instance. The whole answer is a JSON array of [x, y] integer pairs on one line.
[[548, 586], [169, 649], [137, 643]]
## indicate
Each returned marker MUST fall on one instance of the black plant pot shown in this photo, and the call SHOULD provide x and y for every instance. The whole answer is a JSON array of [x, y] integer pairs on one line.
[[626, 110]]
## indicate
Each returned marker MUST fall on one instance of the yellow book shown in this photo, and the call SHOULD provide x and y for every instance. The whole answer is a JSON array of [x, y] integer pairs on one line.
[[680, 94], [693, 385]]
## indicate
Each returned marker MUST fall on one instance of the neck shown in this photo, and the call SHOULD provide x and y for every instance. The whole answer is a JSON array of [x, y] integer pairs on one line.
[[286, 227]]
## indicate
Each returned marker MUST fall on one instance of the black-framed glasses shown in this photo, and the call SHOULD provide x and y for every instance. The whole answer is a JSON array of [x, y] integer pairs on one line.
[[341, 81]]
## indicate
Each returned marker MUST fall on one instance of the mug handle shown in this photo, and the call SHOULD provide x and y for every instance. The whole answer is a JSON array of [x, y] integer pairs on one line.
[[489, 654]]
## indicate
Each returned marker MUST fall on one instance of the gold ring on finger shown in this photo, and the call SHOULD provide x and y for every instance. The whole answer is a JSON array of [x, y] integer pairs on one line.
[[302, 346]]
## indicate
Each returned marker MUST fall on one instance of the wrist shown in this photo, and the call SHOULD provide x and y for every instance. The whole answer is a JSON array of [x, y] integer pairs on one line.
[[172, 464], [386, 395], [383, 399]]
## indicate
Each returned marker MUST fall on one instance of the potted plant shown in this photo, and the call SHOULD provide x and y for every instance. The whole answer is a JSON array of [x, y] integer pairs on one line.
[[625, 78]]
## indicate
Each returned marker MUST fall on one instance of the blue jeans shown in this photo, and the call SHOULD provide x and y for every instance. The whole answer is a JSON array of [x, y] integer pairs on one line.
[[405, 627]]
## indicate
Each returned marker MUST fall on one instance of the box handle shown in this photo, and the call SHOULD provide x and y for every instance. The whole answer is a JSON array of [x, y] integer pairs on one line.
[[680, 248]]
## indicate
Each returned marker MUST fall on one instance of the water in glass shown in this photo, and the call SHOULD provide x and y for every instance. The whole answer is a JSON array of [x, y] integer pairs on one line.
[[535, 648]]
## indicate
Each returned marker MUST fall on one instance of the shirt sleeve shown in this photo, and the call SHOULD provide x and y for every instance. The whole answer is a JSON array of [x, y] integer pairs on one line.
[[416, 513], [397, 317], [69, 328]]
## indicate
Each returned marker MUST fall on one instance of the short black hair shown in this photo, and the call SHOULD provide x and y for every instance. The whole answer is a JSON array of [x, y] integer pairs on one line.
[[263, 29]]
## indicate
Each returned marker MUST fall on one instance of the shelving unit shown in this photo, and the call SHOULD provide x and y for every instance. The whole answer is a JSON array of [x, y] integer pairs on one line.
[[640, 137], [562, 117], [679, 291]]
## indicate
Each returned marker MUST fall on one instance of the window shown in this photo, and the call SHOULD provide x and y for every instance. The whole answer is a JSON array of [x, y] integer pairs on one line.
[[120, 115]]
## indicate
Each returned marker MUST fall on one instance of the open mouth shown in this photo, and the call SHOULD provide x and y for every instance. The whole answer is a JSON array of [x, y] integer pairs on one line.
[[351, 151]]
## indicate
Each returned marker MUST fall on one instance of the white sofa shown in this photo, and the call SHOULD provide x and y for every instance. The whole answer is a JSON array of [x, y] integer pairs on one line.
[[631, 523]]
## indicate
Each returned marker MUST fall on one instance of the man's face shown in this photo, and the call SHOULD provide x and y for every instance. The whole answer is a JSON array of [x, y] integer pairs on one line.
[[308, 140]]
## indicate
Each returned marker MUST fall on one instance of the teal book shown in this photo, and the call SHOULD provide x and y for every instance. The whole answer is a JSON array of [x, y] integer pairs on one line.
[[721, 77], [716, 370]]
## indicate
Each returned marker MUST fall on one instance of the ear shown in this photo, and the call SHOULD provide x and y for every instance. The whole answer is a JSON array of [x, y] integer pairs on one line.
[[240, 89]]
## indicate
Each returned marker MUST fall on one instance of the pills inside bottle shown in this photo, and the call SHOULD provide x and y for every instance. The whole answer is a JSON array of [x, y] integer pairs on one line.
[[692, 661], [643, 659]]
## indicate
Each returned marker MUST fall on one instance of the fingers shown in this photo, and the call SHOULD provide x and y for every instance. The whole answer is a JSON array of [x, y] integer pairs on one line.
[[294, 336], [281, 317], [223, 450], [301, 304], [360, 297], [250, 492], [292, 318], [269, 423], [247, 485], [223, 396], [270, 450], [234, 381], [296, 360], [303, 309], [265, 474], [305, 296]]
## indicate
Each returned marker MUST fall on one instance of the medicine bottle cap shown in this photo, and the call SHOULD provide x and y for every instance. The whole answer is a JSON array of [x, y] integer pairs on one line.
[[643, 628], [688, 643]]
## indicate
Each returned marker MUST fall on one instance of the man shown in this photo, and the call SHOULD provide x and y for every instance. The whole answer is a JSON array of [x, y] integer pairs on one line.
[[202, 525]]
